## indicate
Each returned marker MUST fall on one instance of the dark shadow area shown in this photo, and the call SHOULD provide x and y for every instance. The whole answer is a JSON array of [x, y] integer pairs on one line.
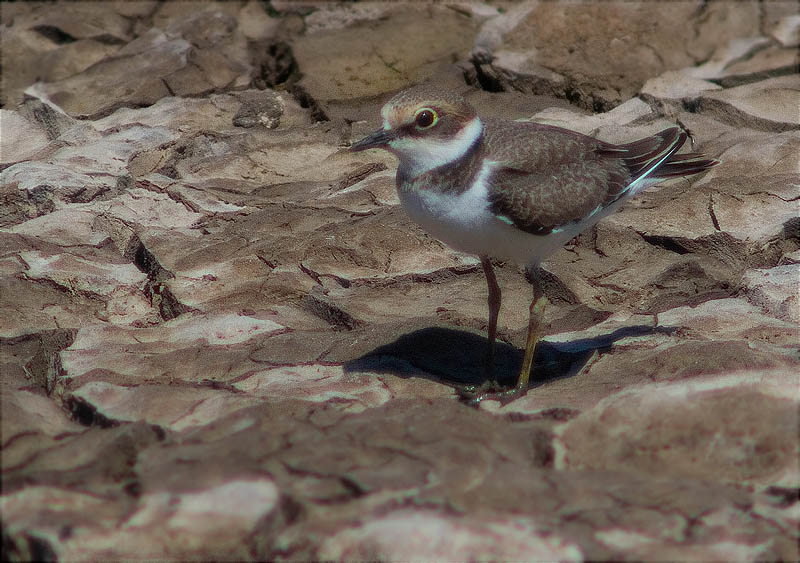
[[456, 357]]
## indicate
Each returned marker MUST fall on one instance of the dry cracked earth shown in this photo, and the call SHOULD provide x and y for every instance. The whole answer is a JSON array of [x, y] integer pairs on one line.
[[223, 339]]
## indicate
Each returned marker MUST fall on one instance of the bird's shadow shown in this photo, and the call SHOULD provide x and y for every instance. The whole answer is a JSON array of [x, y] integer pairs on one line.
[[456, 357]]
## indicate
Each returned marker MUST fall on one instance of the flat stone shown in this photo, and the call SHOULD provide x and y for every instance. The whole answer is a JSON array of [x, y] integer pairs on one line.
[[33, 189], [196, 199], [31, 420], [184, 408], [676, 84], [192, 516], [120, 285], [775, 290], [214, 285], [208, 330], [21, 138], [330, 17], [768, 105], [183, 115], [493, 31], [41, 44], [681, 416], [179, 349], [145, 208], [735, 50], [378, 58], [69, 226], [154, 55], [443, 536], [60, 288], [85, 21], [255, 23], [769, 155], [541, 37], [157, 519], [55, 507], [718, 319], [787, 31], [317, 383], [178, 60], [84, 166], [92, 151], [765, 63]]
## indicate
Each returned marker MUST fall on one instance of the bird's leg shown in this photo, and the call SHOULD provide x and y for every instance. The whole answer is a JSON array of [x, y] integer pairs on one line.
[[494, 310], [470, 393], [534, 327]]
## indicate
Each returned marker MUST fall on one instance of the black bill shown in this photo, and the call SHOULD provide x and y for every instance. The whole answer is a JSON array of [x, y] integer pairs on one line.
[[377, 140]]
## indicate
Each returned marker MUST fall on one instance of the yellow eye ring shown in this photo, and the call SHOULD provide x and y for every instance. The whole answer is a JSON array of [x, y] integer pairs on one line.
[[425, 118]]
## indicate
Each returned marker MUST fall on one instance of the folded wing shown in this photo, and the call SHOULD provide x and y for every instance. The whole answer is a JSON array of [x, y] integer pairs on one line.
[[562, 177]]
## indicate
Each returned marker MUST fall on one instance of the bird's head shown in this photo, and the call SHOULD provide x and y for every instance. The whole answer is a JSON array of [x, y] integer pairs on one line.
[[425, 128]]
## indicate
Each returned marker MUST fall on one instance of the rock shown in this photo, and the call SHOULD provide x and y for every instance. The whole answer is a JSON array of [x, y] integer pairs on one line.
[[493, 32], [774, 291], [331, 17], [63, 288], [677, 85], [787, 31], [199, 55], [766, 63], [716, 318], [445, 537], [580, 70], [48, 117], [32, 189], [317, 384], [222, 337], [674, 417], [120, 285], [203, 331], [189, 516], [764, 154], [255, 23], [21, 139], [32, 423], [42, 44], [258, 109], [769, 105], [735, 51], [379, 58], [71, 226]]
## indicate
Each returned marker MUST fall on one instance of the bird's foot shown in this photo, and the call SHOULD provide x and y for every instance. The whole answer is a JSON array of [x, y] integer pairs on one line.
[[473, 395]]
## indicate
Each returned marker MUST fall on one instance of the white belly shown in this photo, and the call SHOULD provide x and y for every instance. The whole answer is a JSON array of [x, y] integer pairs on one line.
[[463, 221]]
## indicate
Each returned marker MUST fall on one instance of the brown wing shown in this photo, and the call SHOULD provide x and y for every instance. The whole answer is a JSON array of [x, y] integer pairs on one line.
[[557, 177]]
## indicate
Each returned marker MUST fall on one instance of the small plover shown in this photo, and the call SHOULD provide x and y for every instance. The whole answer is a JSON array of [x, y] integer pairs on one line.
[[513, 190]]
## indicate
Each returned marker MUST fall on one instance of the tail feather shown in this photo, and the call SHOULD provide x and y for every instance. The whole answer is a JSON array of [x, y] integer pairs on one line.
[[643, 156], [686, 164], [655, 157], [652, 159]]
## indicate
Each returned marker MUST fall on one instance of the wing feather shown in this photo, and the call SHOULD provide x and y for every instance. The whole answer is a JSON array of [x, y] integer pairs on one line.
[[558, 177]]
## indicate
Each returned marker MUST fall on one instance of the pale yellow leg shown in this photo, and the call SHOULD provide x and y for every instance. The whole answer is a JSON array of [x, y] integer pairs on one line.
[[534, 333], [535, 321]]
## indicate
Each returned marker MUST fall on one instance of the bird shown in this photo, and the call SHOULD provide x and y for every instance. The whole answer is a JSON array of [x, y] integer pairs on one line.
[[513, 190]]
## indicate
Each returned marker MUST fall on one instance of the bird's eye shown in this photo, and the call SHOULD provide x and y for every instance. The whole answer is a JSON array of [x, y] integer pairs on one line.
[[425, 118]]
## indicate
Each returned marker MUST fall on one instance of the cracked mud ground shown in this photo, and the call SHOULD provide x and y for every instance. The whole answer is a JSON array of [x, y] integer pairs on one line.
[[223, 339]]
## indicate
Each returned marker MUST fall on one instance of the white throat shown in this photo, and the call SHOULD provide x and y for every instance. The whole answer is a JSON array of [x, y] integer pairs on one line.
[[420, 155]]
